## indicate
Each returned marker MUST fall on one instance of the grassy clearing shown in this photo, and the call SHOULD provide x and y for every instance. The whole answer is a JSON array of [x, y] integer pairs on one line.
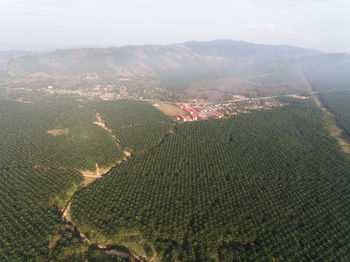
[[136, 247], [169, 109]]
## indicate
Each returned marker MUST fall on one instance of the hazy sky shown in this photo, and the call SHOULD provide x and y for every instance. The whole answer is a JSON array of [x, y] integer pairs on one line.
[[319, 24]]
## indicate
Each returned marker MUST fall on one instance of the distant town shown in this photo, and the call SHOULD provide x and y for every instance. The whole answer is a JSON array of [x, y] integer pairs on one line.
[[180, 112], [219, 110]]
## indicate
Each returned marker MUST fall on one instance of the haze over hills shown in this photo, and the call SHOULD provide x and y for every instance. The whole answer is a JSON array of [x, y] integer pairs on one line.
[[173, 131], [202, 70], [328, 71], [198, 154], [155, 57], [240, 50]]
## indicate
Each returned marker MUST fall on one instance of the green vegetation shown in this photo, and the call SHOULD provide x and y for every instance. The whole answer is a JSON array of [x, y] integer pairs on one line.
[[25, 140], [138, 125], [266, 186], [206, 70], [68, 248], [37, 170], [28, 210], [270, 185], [338, 103], [327, 72]]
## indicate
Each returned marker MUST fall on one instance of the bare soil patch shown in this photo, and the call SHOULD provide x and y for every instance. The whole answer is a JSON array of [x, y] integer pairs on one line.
[[127, 154], [100, 123], [98, 172], [57, 132]]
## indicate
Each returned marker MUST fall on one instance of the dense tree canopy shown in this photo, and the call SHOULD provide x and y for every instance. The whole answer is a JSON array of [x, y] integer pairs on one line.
[[267, 186], [138, 125], [38, 168], [270, 185], [338, 102]]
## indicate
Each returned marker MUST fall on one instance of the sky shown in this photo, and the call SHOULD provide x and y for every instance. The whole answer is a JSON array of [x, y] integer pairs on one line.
[[51, 24]]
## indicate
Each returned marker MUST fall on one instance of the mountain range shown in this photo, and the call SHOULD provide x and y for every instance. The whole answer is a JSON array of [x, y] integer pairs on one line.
[[224, 66]]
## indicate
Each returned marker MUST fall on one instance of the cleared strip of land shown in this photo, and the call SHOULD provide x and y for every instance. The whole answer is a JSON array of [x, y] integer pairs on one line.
[[332, 126]]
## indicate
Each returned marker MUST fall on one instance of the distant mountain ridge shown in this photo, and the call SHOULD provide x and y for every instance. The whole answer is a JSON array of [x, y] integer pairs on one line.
[[328, 71], [244, 50], [155, 57], [191, 66]]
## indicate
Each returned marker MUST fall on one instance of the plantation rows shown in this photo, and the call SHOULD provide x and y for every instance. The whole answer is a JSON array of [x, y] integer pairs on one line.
[[266, 186], [24, 140], [338, 102], [138, 125], [8, 106], [36, 170], [28, 215], [143, 137]]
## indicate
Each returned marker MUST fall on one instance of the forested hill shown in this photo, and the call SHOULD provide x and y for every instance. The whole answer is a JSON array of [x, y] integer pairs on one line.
[[239, 50], [151, 58], [192, 70], [327, 72], [173, 65]]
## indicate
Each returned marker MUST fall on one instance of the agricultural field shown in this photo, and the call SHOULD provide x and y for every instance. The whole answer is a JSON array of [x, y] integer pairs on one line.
[[29, 218], [266, 186], [138, 125], [201, 151], [269, 185], [30, 137], [338, 102], [39, 166]]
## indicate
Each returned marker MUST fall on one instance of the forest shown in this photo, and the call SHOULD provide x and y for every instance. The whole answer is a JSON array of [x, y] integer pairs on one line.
[[264, 186]]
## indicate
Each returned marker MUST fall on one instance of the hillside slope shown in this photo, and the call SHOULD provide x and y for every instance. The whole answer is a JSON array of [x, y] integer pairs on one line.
[[192, 70], [327, 72]]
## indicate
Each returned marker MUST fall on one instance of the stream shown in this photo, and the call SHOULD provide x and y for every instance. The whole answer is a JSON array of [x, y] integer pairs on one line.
[[113, 250]]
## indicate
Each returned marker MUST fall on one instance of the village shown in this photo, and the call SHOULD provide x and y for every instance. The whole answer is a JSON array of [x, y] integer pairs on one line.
[[180, 112], [194, 112], [108, 92]]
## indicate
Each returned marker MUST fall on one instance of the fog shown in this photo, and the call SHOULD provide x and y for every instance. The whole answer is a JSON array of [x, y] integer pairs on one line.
[[48, 24]]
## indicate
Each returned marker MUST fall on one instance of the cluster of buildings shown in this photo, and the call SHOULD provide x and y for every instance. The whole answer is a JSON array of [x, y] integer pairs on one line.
[[108, 92], [195, 112], [198, 112]]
